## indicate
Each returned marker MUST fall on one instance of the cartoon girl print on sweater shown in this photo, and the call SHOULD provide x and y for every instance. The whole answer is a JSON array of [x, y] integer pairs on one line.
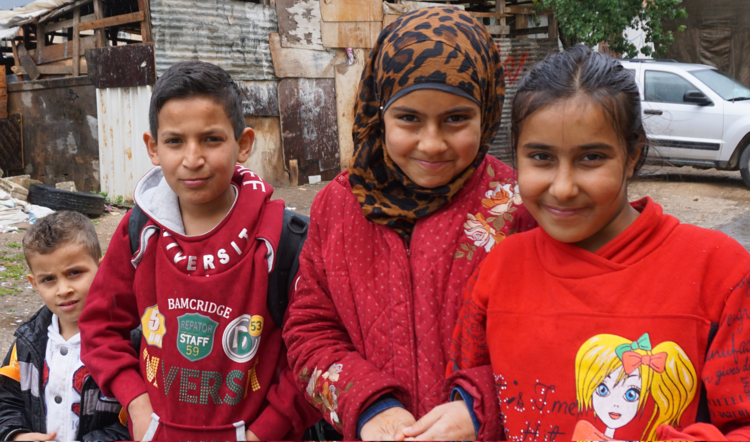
[[616, 377]]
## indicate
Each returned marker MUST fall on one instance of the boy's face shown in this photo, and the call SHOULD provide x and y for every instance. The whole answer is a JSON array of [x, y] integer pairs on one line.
[[62, 278], [197, 150]]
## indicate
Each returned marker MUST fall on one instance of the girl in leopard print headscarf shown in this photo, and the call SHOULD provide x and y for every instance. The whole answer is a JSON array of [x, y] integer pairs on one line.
[[394, 240]]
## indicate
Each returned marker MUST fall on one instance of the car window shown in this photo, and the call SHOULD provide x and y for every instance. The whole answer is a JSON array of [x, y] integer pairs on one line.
[[724, 85], [666, 87]]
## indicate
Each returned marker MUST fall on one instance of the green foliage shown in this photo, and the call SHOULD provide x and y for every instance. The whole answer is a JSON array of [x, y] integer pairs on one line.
[[593, 21]]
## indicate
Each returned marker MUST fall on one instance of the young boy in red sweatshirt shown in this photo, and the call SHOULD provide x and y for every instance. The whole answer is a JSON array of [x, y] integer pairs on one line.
[[212, 365]]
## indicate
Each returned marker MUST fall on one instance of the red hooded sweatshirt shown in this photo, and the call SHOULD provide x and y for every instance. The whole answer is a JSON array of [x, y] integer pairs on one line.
[[636, 341], [211, 359]]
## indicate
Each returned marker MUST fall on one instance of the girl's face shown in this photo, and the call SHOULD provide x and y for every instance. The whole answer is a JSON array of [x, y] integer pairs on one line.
[[617, 404], [432, 135], [573, 171]]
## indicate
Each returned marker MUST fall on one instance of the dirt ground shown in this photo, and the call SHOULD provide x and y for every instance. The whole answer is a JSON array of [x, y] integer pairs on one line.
[[709, 199]]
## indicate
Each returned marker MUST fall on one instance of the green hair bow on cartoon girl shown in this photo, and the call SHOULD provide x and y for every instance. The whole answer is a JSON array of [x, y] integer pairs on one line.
[[615, 377]]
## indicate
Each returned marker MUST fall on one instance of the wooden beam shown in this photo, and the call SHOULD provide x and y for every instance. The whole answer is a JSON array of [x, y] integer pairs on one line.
[[3, 94], [15, 58], [530, 31], [500, 9], [498, 29], [68, 23], [112, 21], [61, 51], [101, 41], [76, 42], [41, 37], [144, 6], [489, 14], [28, 63]]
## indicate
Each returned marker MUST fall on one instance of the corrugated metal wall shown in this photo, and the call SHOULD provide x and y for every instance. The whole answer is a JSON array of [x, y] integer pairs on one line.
[[123, 118], [229, 33], [519, 56]]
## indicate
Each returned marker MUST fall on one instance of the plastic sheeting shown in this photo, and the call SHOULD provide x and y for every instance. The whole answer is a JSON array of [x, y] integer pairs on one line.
[[717, 34], [8, 19]]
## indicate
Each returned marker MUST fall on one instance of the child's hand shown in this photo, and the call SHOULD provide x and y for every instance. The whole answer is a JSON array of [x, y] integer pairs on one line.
[[35, 436], [140, 412], [385, 425], [249, 435], [450, 421]]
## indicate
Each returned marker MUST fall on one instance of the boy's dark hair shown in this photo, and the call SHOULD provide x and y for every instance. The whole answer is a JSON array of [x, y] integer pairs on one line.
[[579, 71], [58, 229], [188, 79]]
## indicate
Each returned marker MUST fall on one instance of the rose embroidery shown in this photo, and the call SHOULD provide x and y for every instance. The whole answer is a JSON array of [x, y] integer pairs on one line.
[[323, 393]]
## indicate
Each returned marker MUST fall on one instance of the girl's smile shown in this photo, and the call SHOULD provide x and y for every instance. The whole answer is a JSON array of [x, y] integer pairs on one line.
[[573, 171], [432, 135]]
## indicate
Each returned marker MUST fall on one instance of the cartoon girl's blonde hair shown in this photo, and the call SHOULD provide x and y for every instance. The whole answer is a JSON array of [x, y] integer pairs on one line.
[[672, 390]]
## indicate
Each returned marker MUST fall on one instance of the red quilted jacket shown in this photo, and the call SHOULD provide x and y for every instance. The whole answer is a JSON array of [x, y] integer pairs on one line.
[[373, 315]]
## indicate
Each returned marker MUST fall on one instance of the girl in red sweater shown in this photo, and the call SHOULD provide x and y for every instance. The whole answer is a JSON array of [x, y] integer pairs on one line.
[[611, 321]]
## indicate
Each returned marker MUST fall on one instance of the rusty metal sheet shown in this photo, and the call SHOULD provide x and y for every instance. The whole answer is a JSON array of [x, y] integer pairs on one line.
[[229, 33], [519, 56], [260, 98], [122, 66], [63, 145], [299, 24], [11, 143], [309, 129]]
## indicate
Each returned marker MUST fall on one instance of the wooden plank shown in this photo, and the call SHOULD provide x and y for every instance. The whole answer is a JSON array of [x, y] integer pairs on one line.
[[122, 66], [516, 9], [347, 84], [11, 143], [61, 51], [350, 34], [267, 157], [309, 130], [54, 68], [351, 10], [3, 94], [100, 38], [28, 63], [303, 63], [145, 7], [498, 29], [76, 42], [68, 23], [530, 31], [299, 24], [490, 14], [112, 21], [294, 173]]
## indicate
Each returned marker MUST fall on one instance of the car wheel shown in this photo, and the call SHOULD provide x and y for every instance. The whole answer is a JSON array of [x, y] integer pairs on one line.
[[87, 203]]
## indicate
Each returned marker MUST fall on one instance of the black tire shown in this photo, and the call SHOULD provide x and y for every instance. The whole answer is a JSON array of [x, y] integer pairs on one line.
[[87, 203], [745, 165]]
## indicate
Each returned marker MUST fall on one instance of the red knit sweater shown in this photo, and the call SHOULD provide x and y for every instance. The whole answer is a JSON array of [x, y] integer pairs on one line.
[[613, 344]]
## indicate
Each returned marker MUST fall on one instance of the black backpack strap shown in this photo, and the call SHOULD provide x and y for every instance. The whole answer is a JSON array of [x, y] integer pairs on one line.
[[293, 236], [137, 221]]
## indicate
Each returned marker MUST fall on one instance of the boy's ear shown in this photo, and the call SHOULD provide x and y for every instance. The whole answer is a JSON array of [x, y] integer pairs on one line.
[[32, 281], [245, 143], [150, 142]]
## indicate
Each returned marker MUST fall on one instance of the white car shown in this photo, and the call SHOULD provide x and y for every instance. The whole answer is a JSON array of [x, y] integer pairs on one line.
[[695, 115]]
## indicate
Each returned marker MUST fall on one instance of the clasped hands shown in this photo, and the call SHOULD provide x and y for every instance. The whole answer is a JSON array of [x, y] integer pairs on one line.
[[450, 421]]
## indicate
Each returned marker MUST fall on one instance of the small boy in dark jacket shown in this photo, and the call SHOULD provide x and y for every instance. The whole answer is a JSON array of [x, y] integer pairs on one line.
[[46, 392]]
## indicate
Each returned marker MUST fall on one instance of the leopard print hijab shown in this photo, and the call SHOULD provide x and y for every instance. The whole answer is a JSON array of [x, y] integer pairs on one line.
[[440, 48]]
